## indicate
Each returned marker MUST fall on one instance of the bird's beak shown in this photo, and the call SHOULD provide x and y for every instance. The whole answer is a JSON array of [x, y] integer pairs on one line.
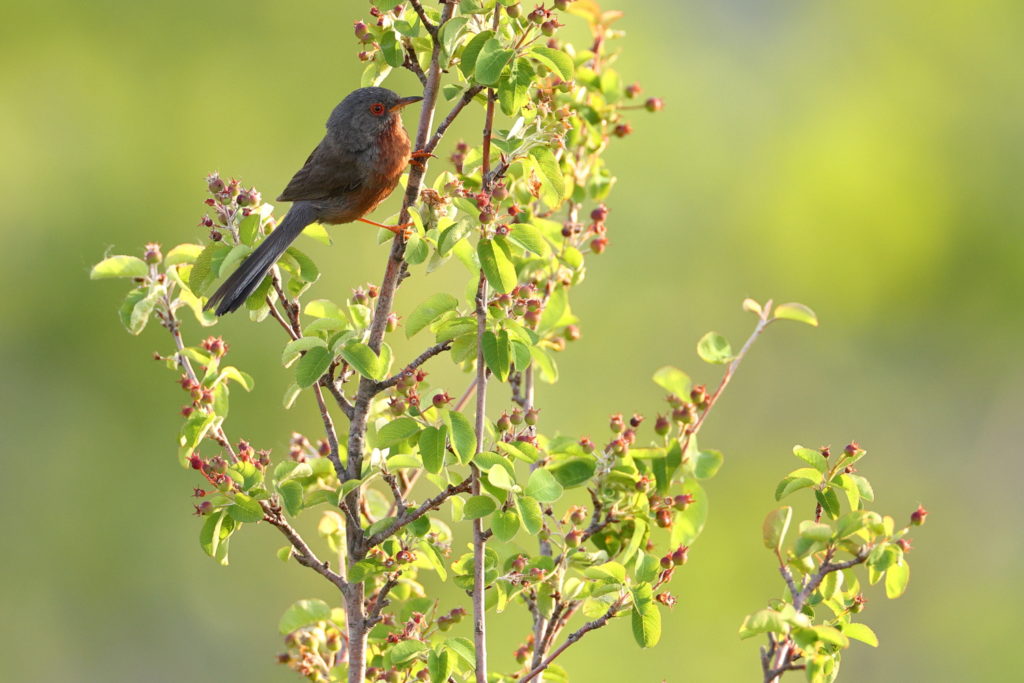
[[404, 102]]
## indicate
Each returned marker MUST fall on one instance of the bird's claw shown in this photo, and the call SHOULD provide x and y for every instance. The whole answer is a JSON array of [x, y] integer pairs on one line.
[[417, 157]]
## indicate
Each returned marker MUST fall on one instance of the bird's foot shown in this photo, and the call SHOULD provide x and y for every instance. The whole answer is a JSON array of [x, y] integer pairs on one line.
[[405, 230], [417, 157]]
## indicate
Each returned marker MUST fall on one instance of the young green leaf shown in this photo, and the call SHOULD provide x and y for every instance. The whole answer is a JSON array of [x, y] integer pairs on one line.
[[797, 312], [479, 506], [312, 366], [429, 311], [646, 617], [491, 60], [714, 348], [543, 486], [462, 435], [497, 267], [556, 60], [303, 613], [119, 266], [775, 526], [497, 350], [673, 380], [432, 443], [396, 431]]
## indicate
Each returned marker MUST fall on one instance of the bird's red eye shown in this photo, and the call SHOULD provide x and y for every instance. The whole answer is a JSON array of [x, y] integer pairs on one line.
[[376, 108]]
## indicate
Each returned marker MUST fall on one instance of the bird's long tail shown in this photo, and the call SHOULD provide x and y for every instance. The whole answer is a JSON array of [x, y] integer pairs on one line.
[[244, 281]]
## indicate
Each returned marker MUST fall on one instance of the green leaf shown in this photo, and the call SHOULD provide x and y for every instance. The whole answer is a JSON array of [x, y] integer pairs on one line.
[[574, 471], [796, 480], [479, 506], [513, 91], [816, 531], [291, 495], [397, 430], [551, 173], [245, 509], [674, 381], [713, 348], [763, 621], [530, 513], [491, 60], [861, 632], [183, 253], [612, 572], [429, 311], [497, 350], [500, 478], [463, 647], [119, 266], [556, 60], [391, 49], [497, 267], [471, 52], [441, 665], [543, 486], [406, 650], [312, 366], [797, 312], [450, 33], [829, 501], [863, 487], [646, 617], [529, 237], [363, 360], [896, 578], [462, 436], [505, 524], [812, 458], [214, 535], [432, 443], [294, 348], [303, 613], [707, 463], [775, 526]]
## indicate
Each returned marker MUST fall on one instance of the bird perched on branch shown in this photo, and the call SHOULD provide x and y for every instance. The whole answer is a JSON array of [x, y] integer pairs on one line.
[[353, 169]]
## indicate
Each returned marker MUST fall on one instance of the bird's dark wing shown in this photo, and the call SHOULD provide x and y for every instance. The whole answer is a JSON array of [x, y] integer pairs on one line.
[[328, 172]]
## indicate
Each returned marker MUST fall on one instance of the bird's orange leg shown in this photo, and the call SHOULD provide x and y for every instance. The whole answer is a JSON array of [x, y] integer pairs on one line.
[[416, 158], [404, 229]]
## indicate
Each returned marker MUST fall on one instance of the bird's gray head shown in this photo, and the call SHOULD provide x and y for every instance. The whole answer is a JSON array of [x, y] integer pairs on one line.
[[366, 113]]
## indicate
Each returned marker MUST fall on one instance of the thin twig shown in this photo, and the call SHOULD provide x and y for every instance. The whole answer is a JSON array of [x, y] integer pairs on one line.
[[434, 350], [762, 323], [573, 638], [427, 24], [467, 97], [332, 434], [300, 550], [424, 508]]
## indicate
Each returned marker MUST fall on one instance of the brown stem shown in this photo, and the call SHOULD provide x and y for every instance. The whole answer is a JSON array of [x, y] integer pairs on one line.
[[479, 623], [300, 550], [410, 517], [434, 350], [762, 323], [573, 638]]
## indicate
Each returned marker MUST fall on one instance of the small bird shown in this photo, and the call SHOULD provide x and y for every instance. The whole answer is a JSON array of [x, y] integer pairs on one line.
[[353, 169]]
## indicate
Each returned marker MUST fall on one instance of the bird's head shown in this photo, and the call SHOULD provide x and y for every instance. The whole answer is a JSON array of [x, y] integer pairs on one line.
[[367, 112]]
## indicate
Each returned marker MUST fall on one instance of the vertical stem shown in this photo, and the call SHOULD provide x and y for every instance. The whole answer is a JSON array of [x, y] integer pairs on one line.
[[354, 536], [479, 624], [355, 616]]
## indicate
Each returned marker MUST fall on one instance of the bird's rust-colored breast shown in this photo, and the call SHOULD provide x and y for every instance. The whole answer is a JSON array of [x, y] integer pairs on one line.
[[393, 157]]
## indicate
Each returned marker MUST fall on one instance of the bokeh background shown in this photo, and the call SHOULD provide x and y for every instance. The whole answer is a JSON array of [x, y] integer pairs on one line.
[[863, 157]]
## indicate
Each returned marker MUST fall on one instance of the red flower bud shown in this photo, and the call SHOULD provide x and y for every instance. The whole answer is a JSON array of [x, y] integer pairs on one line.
[[664, 518], [653, 104], [662, 425], [633, 90], [679, 557], [598, 244], [918, 516], [616, 423]]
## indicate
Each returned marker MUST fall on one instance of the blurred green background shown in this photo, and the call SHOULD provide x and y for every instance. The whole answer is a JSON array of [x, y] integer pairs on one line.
[[862, 157]]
